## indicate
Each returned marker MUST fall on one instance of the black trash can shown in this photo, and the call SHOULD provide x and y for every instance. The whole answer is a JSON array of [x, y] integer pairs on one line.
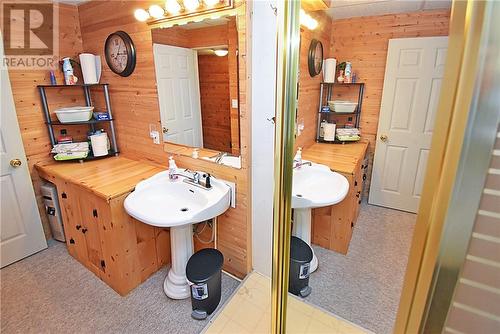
[[301, 256], [203, 270]]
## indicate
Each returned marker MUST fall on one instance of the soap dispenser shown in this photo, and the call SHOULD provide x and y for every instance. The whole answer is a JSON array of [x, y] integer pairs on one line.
[[172, 169], [297, 160]]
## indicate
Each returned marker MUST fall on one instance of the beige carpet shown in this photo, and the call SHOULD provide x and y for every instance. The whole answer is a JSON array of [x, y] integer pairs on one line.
[[364, 287], [50, 292]]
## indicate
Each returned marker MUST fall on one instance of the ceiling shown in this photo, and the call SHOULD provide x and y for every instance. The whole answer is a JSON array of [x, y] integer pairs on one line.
[[341, 9]]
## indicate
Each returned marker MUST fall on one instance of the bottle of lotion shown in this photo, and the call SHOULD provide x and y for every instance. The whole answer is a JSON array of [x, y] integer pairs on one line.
[[297, 160], [172, 169]]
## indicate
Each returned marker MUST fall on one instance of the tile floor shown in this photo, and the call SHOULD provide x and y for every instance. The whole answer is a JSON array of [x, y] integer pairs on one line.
[[249, 311]]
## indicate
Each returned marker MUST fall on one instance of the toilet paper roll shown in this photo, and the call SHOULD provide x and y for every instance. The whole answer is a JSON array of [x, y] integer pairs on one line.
[[329, 130], [91, 68], [329, 70], [99, 144]]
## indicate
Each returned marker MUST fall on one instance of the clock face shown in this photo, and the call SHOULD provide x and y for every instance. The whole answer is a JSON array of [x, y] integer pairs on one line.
[[315, 58], [117, 53], [318, 57], [120, 53]]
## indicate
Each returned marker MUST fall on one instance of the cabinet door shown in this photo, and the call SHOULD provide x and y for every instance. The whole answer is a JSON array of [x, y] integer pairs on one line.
[[90, 209], [70, 211]]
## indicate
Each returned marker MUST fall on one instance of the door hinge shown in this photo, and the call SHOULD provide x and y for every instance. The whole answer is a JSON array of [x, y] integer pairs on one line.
[[94, 212], [352, 224], [103, 264]]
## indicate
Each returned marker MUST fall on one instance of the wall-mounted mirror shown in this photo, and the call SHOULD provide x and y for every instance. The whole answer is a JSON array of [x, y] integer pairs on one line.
[[196, 67]]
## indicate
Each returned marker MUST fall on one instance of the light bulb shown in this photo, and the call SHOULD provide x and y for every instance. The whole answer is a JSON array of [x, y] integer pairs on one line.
[[156, 11], [221, 52], [211, 3], [141, 15], [173, 6], [191, 5]]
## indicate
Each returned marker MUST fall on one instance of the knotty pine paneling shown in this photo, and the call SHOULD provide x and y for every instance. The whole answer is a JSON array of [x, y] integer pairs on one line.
[[135, 105], [34, 132], [309, 86], [364, 40], [213, 74]]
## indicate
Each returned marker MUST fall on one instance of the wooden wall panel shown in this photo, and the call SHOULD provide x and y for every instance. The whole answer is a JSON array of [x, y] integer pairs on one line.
[[34, 132], [135, 105], [364, 40], [213, 74], [309, 86]]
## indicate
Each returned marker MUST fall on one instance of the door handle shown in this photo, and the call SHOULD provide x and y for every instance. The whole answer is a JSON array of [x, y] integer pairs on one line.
[[164, 129], [15, 163], [384, 138]]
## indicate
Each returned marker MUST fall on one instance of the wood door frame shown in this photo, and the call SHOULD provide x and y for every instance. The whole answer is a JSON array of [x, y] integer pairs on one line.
[[466, 25]]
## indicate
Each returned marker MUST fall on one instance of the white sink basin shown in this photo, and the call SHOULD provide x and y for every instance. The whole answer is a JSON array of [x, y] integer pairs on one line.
[[316, 186], [160, 202], [313, 187]]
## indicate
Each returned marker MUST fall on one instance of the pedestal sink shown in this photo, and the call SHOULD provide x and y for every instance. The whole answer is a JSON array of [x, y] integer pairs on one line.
[[161, 202], [314, 186]]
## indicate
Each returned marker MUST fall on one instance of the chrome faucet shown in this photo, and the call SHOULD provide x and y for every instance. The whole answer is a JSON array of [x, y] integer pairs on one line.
[[194, 178], [300, 164]]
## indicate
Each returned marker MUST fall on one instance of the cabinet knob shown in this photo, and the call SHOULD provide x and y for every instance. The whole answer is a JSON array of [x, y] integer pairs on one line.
[[78, 227], [63, 195], [84, 230]]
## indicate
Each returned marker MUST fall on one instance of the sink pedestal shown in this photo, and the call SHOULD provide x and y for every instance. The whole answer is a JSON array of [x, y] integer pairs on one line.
[[181, 244], [302, 230]]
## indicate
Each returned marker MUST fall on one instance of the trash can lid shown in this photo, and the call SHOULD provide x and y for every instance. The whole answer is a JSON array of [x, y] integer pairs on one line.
[[203, 264], [300, 251]]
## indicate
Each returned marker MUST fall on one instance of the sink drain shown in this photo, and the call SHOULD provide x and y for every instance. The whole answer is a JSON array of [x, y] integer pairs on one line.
[[184, 209], [298, 195]]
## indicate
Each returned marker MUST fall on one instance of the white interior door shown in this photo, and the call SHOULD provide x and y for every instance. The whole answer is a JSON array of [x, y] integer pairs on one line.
[[410, 97], [179, 94], [20, 226]]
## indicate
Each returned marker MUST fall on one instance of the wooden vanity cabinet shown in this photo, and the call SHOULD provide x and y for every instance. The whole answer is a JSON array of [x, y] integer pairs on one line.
[[332, 226], [117, 248]]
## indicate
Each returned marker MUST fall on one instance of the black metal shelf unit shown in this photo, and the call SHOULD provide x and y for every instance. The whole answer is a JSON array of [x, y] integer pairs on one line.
[[91, 123], [326, 94]]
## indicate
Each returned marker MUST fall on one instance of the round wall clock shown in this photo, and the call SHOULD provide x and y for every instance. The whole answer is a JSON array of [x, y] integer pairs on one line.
[[315, 58], [120, 53]]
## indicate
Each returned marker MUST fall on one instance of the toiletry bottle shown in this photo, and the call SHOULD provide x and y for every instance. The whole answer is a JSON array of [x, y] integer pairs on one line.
[[172, 169], [53, 80], [297, 160], [195, 153], [69, 78], [348, 72]]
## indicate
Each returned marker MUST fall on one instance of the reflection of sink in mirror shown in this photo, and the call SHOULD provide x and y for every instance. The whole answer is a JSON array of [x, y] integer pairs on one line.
[[226, 159], [197, 80]]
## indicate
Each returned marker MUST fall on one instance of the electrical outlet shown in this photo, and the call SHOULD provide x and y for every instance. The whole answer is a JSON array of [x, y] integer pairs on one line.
[[300, 127], [234, 103], [232, 185], [156, 137]]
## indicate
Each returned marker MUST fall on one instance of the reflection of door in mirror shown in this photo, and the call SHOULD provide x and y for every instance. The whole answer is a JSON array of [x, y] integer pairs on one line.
[[197, 82]]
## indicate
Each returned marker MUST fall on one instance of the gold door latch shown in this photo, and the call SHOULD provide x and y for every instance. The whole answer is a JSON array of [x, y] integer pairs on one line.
[[15, 163], [384, 138], [164, 129]]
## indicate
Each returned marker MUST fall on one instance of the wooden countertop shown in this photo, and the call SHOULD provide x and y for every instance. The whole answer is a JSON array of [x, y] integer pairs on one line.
[[341, 158], [107, 178]]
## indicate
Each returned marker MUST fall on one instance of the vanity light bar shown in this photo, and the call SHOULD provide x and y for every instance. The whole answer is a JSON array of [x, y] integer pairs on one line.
[[307, 20], [175, 9]]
